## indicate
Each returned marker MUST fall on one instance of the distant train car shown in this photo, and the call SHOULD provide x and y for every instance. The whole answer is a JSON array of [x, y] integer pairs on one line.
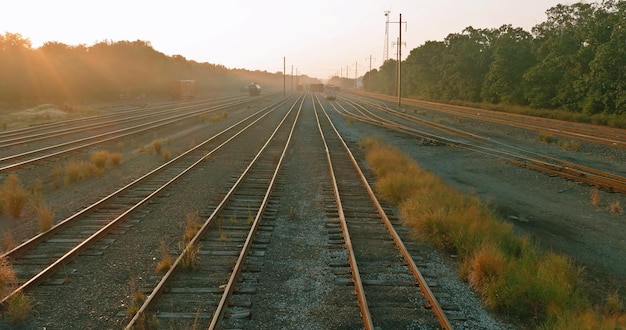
[[254, 89], [332, 88], [316, 87], [183, 89]]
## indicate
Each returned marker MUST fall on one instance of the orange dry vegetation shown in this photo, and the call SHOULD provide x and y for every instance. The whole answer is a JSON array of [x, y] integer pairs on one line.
[[510, 274]]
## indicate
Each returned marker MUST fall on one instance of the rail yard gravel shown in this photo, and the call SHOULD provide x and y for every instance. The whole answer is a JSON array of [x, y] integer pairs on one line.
[[556, 213]]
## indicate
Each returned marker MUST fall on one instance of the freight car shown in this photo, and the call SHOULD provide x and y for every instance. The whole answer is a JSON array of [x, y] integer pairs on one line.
[[254, 89], [183, 89], [316, 87]]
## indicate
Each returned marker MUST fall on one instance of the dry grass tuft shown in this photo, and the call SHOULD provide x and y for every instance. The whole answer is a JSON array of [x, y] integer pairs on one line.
[[76, 170], [166, 259], [192, 225], [8, 242], [115, 159], [217, 117], [100, 158], [136, 298], [45, 216], [596, 199], [13, 196], [157, 146], [190, 259], [19, 306], [616, 207], [167, 156], [569, 145], [485, 267], [545, 138], [8, 280]]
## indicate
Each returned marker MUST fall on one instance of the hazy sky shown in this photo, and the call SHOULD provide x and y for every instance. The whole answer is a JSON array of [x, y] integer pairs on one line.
[[319, 38]]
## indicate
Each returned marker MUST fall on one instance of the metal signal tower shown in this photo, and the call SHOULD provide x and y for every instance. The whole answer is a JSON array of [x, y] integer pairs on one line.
[[386, 49]]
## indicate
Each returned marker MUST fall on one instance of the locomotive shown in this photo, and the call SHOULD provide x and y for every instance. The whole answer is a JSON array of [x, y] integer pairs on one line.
[[254, 89]]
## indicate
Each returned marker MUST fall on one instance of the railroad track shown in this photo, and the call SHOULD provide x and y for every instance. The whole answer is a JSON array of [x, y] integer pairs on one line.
[[614, 137], [381, 115], [216, 273], [236, 229], [105, 120], [37, 259], [390, 289], [141, 123]]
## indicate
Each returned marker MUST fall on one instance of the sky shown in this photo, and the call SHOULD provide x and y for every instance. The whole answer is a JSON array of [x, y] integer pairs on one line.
[[320, 38]]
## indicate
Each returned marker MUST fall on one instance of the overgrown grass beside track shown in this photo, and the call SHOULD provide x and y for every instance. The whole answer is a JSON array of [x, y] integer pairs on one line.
[[611, 120], [512, 276]]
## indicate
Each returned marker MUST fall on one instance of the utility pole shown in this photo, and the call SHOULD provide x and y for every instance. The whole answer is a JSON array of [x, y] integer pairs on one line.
[[386, 47], [369, 75], [399, 61], [284, 75], [399, 64], [292, 78], [356, 75]]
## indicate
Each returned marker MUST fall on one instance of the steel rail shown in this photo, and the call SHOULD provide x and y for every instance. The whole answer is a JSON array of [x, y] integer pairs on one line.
[[428, 294], [532, 160], [9, 134], [230, 285], [96, 122], [177, 263], [66, 257], [100, 138], [358, 284], [592, 133]]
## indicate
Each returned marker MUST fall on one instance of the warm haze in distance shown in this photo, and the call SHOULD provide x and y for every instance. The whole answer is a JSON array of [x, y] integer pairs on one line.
[[317, 38]]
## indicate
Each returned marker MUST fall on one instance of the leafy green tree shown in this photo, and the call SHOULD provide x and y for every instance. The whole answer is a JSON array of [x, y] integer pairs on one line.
[[563, 48], [423, 77], [466, 63], [512, 57], [386, 78], [606, 81]]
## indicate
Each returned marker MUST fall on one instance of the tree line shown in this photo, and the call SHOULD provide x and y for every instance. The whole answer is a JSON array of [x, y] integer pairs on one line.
[[60, 73], [575, 60]]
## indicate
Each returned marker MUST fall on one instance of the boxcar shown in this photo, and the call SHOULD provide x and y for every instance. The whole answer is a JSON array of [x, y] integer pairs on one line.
[[183, 89]]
